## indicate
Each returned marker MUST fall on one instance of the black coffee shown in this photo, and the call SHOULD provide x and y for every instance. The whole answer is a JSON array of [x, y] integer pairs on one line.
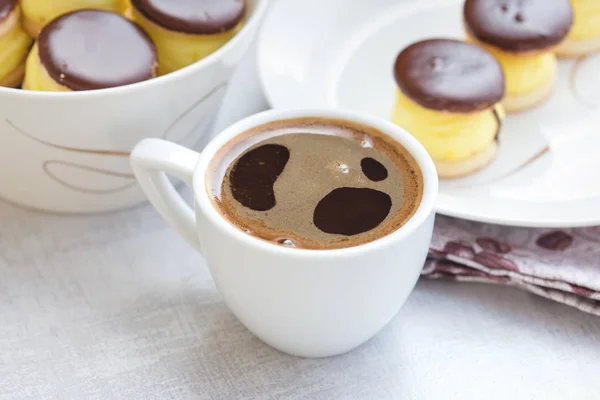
[[315, 183]]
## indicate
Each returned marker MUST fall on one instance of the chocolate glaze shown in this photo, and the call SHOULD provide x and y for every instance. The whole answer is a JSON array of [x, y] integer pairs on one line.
[[349, 211], [373, 169], [518, 25], [500, 122], [254, 174], [449, 75], [193, 16], [6, 6], [93, 49]]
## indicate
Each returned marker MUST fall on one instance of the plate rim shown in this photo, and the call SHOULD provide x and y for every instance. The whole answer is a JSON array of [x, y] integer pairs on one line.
[[522, 223]]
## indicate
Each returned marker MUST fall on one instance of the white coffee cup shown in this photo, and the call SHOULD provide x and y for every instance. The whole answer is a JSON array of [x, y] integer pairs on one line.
[[311, 303]]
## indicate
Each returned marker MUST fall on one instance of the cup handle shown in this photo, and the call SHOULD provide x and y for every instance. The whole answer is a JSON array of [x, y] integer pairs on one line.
[[151, 160]]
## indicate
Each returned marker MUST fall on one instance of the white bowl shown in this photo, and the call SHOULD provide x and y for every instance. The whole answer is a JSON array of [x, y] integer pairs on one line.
[[69, 152]]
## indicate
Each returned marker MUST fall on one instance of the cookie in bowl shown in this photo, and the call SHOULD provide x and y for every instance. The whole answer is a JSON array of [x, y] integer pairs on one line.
[[38, 13], [186, 31], [584, 36], [523, 36], [14, 44], [448, 97], [87, 50]]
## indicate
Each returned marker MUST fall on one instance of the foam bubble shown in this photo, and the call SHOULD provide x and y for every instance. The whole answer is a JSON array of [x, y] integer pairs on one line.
[[366, 142], [344, 169], [286, 242]]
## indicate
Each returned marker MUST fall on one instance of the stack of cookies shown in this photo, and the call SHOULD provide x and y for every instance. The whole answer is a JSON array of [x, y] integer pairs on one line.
[[452, 94]]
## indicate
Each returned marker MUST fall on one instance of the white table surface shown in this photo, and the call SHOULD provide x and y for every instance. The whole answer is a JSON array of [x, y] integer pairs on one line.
[[118, 307]]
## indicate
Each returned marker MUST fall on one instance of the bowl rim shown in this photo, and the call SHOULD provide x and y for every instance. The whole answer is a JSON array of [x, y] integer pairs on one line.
[[253, 19]]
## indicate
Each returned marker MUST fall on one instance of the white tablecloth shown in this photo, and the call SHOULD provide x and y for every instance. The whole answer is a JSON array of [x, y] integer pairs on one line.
[[118, 307]]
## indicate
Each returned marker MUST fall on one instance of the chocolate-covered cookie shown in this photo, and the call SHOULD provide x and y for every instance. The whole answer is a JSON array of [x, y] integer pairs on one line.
[[449, 75], [448, 98], [186, 31], [518, 25], [193, 16], [92, 49], [522, 35]]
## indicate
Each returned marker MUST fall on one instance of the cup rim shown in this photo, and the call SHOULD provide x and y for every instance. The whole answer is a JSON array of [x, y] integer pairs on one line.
[[250, 25], [205, 206]]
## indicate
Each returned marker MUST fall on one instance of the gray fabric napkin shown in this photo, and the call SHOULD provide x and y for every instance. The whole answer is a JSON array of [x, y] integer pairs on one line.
[[559, 264]]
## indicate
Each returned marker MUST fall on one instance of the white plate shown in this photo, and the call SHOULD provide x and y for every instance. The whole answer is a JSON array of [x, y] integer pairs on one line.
[[336, 53]]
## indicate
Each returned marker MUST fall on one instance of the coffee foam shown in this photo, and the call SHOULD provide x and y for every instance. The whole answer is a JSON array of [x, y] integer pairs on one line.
[[334, 163]]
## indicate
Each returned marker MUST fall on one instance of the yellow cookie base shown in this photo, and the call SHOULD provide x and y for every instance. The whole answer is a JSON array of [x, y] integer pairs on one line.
[[578, 48], [14, 78], [14, 45], [177, 50], [447, 136], [37, 13], [37, 77], [456, 169], [586, 20], [524, 73], [125, 8], [124, 5], [529, 100]]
